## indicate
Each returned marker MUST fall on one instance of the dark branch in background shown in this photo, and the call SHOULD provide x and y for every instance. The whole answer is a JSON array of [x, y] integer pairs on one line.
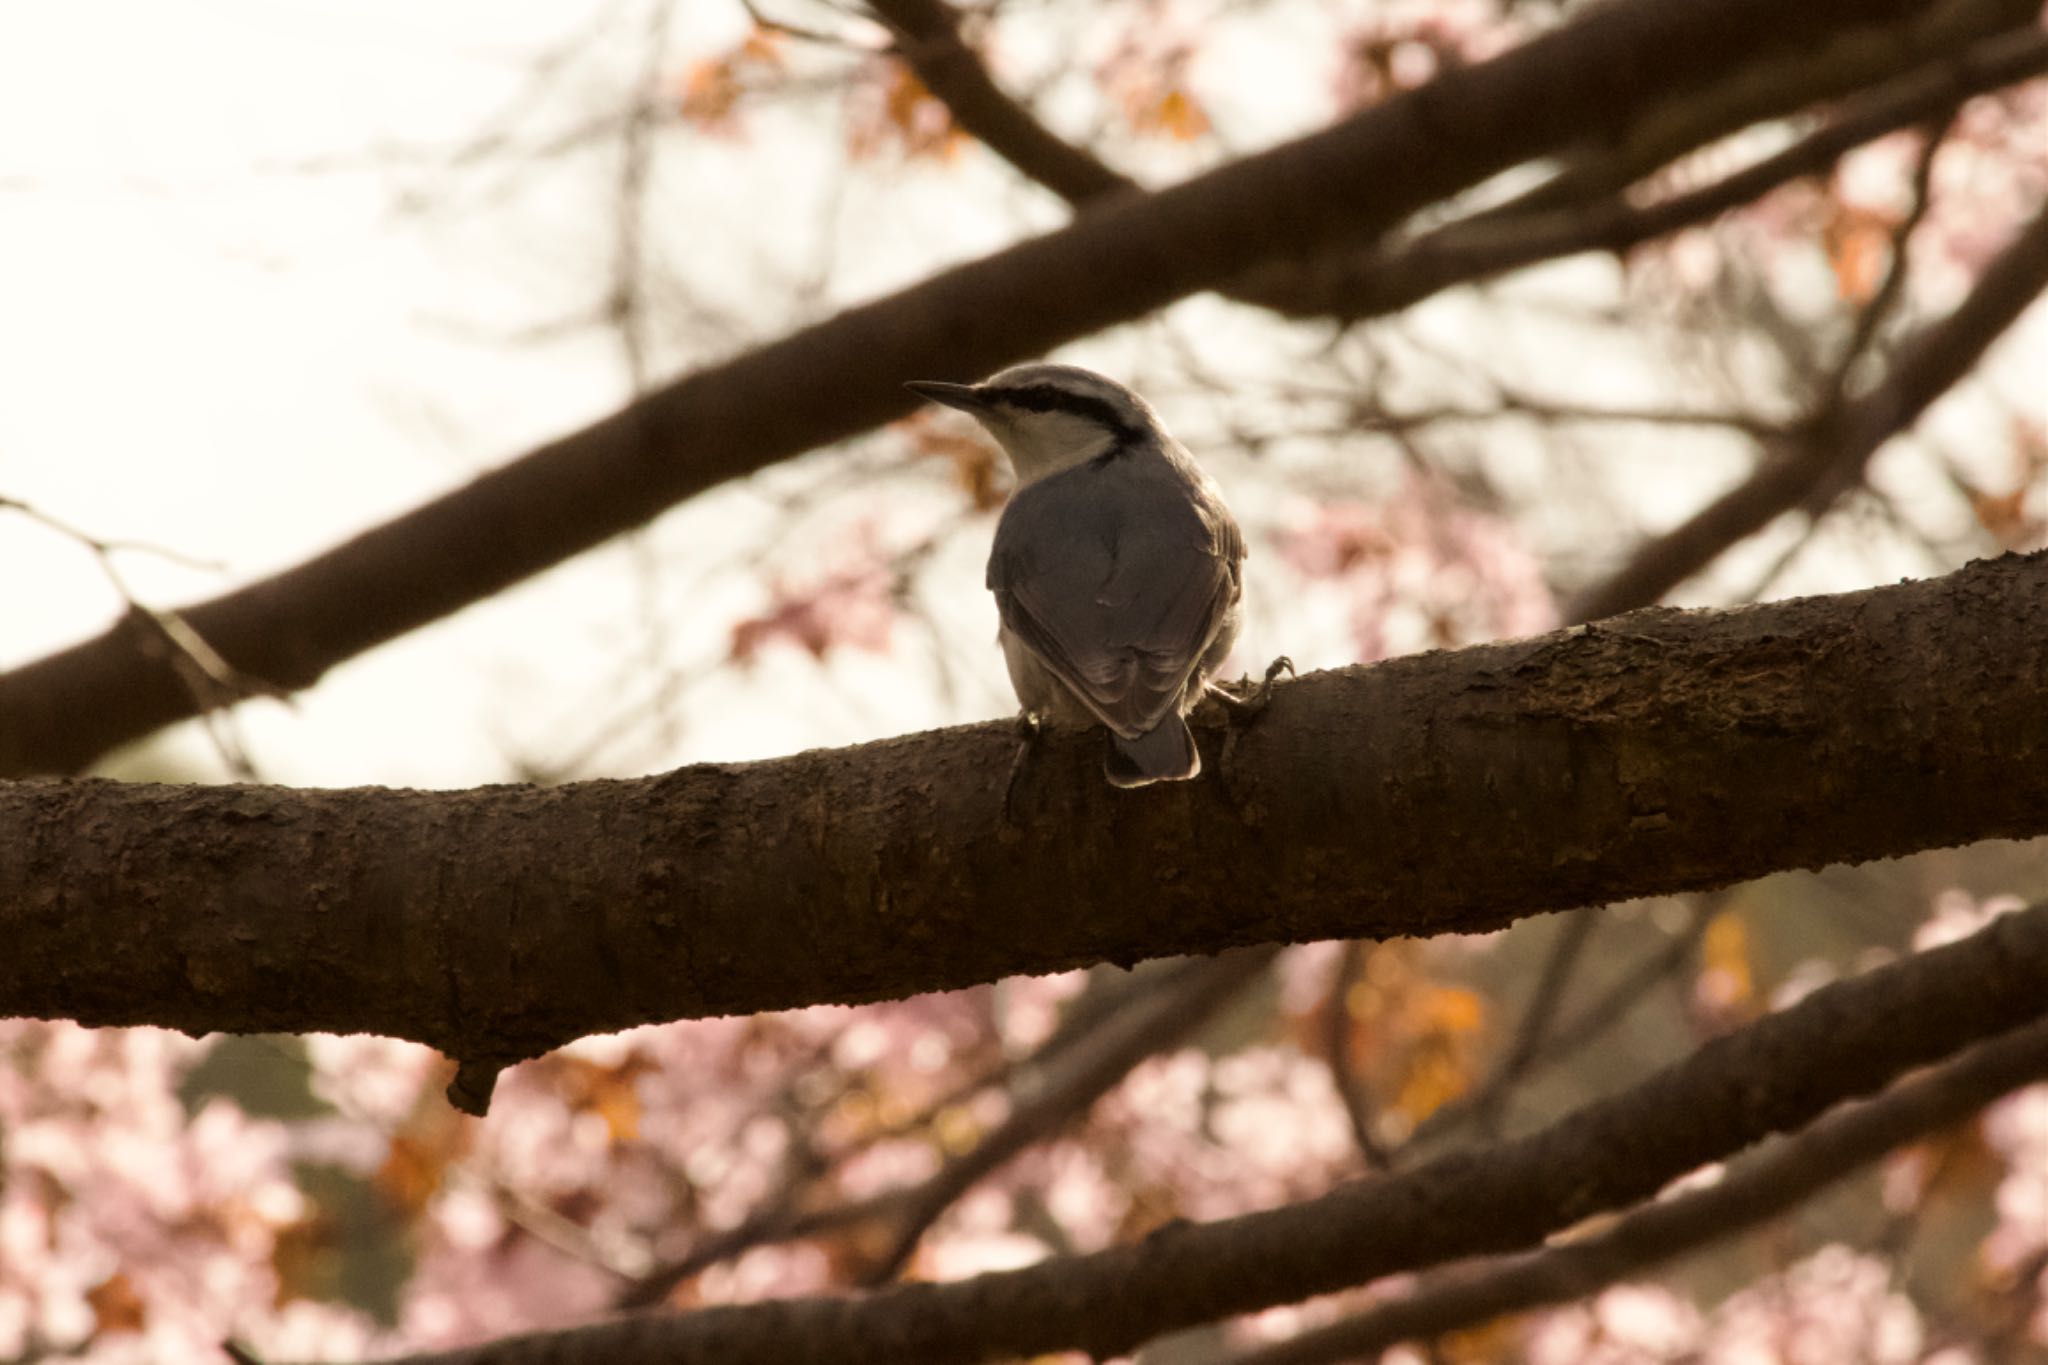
[[1574, 934], [1832, 452], [1123, 258], [1662, 752], [209, 680], [1775, 1075], [1073, 1078], [1884, 300], [1351, 1088], [1575, 212], [1579, 210], [1492, 244], [1771, 1183], [928, 38], [1582, 1028], [1165, 1020]]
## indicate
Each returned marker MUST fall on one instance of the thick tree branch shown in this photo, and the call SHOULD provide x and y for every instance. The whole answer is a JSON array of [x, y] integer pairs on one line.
[[1664, 751], [1774, 1182], [1580, 210], [841, 376], [1491, 244], [1775, 1075]]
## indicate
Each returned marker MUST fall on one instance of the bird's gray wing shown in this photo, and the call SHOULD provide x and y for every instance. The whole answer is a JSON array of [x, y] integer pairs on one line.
[[1118, 581]]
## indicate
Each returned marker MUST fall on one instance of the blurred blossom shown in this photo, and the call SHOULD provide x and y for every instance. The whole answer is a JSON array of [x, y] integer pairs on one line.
[[1273, 1130], [1957, 915], [121, 1219], [1624, 1325], [1088, 1204], [1304, 974], [378, 1080], [1802, 981], [2017, 1128], [852, 602], [1030, 1006], [1421, 570], [1833, 1307], [887, 1164], [964, 1254], [1836, 1305], [457, 1296], [1705, 1178], [769, 1272], [1400, 44]]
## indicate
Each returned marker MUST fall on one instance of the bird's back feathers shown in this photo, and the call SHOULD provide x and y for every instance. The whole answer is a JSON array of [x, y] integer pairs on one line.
[[1121, 578]]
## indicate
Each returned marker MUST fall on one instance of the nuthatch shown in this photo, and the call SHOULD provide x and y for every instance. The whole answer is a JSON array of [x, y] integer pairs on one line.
[[1116, 565]]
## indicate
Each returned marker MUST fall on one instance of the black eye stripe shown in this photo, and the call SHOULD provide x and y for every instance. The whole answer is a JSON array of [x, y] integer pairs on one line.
[[1051, 398]]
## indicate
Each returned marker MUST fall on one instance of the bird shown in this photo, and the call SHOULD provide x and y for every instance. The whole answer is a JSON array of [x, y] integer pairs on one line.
[[1116, 568]]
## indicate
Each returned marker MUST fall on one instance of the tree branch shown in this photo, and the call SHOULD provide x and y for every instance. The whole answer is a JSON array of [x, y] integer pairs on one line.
[[842, 376], [1838, 444], [1664, 751], [1490, 245], [1772, 1183], [1580, 210], [928, 38], [1777, 1074]]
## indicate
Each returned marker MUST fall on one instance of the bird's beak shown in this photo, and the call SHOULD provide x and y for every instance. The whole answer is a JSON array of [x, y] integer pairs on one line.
[[965, 397]]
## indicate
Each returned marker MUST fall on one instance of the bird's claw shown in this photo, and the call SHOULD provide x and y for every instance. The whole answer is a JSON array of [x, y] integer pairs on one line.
[[1251, 698], [1028, 730], [1242, 709]]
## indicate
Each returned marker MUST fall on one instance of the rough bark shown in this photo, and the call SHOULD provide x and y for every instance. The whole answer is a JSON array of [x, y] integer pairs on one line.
[[1122, 258], [1777, 1074], [1659, 752]]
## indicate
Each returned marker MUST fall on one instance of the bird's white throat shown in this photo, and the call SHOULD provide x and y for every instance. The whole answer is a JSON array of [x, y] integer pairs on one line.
[[1041, 444]]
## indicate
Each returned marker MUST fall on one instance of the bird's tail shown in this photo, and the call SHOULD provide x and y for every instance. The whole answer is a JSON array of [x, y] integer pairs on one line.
[[1165, 753]]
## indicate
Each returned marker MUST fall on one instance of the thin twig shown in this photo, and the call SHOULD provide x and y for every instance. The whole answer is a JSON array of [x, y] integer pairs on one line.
[[1490, 1105], [1350, 1086]]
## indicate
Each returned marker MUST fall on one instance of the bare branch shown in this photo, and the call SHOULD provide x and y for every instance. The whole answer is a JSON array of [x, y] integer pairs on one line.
[[210, 682], [1513, 237], [928, 38], [1534, 1030], [1840, 442], [1771, 1183], [1775, 1075], [1350, 1087], [1076, 1071], [1159, 1023], [1582, 1028]]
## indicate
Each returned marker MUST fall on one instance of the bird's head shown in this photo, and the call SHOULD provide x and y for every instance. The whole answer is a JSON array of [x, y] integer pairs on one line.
[[1049, 417]]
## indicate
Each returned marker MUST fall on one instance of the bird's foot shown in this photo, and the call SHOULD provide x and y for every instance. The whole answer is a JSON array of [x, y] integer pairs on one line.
[[1242, 707], [1029, 728], [1245, 698]]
